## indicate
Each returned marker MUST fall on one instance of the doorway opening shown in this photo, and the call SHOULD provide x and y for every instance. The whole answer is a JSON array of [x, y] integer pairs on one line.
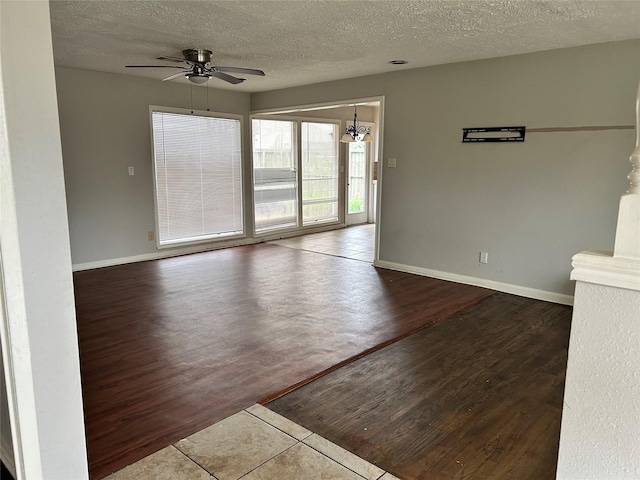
[[361, 180], [348, 197]]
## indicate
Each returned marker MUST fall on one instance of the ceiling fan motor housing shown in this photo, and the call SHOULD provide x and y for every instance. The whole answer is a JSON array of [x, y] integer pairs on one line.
[[197, 55]]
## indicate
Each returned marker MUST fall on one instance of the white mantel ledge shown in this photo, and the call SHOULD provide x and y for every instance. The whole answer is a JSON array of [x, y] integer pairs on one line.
[[601, 267]]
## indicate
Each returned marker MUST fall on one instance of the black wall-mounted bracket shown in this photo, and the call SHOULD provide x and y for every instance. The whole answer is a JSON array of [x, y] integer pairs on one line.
[[493, 134]]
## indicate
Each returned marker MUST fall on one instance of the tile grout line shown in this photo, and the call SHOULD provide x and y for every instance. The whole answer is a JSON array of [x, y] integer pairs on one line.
[[267, 461], [311, 447], [336, 461], [279, 429], [193, 461]]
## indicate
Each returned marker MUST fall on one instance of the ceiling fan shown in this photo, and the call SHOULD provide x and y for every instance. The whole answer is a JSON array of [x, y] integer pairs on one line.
[[198, 69]]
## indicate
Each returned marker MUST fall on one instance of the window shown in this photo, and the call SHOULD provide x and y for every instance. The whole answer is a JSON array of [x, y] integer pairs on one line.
[[288, 154], [198, 176]]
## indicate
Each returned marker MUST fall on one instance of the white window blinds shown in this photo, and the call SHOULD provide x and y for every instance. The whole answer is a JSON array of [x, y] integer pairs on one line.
[[198, 177]]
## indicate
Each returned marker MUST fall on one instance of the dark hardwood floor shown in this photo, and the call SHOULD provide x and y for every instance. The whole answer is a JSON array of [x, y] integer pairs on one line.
[[170, 347], [476, 396]]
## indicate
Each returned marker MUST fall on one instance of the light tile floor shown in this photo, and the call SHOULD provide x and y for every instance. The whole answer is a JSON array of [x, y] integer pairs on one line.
[[355, 242], [254, 444]]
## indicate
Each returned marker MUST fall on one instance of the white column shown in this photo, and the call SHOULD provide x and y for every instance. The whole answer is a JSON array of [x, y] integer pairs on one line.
[[39, 340], [600, 434], [628, 231]]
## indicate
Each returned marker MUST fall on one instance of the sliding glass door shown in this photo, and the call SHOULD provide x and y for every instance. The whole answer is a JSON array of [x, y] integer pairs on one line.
[[287, 155], [319, 173], [357, 192], [275, 174]]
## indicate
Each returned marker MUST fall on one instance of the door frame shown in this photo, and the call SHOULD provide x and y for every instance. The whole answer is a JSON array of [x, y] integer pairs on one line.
[[379, 145], [366, 216]]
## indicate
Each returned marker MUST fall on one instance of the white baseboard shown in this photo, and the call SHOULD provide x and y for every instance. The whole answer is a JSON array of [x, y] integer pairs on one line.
[[203, 247], [6, 455], [161, 254], [534, 293]]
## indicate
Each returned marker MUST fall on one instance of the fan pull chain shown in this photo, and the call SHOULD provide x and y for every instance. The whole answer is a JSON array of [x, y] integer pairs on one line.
[[191, 91]]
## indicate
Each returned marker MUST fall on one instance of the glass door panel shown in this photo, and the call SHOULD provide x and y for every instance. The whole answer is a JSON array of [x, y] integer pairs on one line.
[[357, 183], [319, 173], [275, 176]]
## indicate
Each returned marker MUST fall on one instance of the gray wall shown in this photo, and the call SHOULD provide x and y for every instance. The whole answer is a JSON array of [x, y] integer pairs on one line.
[[104, 123], [345, 114], [530, 205]]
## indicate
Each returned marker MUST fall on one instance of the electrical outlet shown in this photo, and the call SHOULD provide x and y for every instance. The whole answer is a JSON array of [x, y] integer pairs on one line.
[[151, 236], [484, 257], [391, 162]]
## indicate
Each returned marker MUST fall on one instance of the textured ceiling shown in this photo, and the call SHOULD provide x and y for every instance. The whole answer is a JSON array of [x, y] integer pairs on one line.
[[311, 41]]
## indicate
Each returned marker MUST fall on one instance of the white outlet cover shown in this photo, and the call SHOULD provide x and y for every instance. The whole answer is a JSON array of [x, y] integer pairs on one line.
[[391, 162]]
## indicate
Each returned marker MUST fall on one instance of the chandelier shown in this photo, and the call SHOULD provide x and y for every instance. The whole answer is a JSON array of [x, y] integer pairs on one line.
[[355, 132]]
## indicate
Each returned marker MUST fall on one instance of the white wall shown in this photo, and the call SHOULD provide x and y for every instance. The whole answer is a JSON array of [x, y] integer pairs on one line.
[[104, 122], [600, 436], [530, 205], [39, 339]]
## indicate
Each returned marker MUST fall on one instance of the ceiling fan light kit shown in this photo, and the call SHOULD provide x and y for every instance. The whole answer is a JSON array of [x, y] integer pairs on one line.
[[197, 79], [198, 68]]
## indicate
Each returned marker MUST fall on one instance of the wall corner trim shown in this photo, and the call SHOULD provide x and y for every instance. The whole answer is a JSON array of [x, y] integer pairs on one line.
[[534, 293]]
